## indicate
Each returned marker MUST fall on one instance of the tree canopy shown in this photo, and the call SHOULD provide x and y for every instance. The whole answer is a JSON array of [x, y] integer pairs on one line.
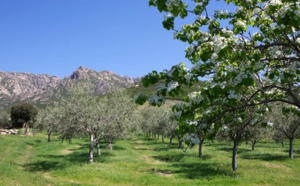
[[23, 115], [252, 60], [249, 56]]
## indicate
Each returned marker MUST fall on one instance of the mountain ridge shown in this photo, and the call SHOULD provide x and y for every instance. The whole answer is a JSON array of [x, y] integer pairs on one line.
[[42, 88]]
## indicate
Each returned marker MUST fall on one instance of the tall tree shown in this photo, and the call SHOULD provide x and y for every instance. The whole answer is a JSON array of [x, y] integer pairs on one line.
[[4, 120], [23, 115], [50, 119], [286, 124], [249, 55], [105, 117]]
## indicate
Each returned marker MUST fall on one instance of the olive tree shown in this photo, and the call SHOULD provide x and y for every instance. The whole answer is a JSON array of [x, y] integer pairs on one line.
[[50, 119], [286, 125], [23, 115], [115, 116], [4, 120], [105, 117]]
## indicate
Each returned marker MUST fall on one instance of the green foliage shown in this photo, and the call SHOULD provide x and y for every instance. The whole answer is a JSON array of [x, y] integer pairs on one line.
[[23, 113], [5, 121], [249, 62]]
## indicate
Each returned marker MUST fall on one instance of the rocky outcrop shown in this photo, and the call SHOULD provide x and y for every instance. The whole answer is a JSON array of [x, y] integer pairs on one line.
[[20, 86], [25, 85], [8, 131]]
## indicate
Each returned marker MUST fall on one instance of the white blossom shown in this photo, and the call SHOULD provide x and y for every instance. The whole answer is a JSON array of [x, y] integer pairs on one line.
[[178, 114], [155, 99], [188, 77], [161, 86], [240, 23], [172, 85], [195, 97]]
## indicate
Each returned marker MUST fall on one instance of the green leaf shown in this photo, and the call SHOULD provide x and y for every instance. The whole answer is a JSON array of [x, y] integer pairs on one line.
[[161, 5], [248, 81]]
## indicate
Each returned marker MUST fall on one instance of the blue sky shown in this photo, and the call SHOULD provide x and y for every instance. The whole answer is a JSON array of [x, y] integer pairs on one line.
[[57, 36]]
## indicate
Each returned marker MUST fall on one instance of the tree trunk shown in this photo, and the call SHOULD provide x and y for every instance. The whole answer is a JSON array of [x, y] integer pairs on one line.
[[253, 142], [180, 143], [98, 147], [25, 126], [163, 138], [49, 136], [91, 148], [291, 148], [234, 155], [282, 143], [109, 145], [171, 140], [158, 135], [200, 148]]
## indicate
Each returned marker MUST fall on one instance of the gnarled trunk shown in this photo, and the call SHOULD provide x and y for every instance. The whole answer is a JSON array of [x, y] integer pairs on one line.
[[98, 147], [109, 145], [91, 148], [291, 148], [200, 148], [234, 155], [282, 143], [180, 141], [253, 142], [171, 138], [49, 135], [25, 126]]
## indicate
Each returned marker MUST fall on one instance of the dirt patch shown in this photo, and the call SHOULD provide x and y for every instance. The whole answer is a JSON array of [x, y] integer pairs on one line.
[[47, 176], [142, 148], [150, 160], [165, 173], [139, 142], [68, 151], [276, 166]]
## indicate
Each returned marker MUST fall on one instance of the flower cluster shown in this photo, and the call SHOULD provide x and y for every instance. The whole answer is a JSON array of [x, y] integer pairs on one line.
[[195, 97], [233, 95], [171, 3], [172, 85], [178, 114], [161, 86], [192, 138], [188, 77], [156, 100]]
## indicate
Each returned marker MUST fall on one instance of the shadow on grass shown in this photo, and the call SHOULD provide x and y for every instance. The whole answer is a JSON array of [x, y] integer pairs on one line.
[[265, 157], [72, 157], [295, 151], [116, 147], [169, 158], [44, 166], [229, 149], [165, 148], [201, 170]]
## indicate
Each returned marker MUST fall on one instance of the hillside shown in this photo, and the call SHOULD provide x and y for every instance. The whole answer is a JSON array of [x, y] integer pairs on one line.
[[148, 91], [42, 88]]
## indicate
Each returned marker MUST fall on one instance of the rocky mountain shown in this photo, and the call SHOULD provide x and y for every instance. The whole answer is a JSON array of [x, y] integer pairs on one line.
[[18, 86]]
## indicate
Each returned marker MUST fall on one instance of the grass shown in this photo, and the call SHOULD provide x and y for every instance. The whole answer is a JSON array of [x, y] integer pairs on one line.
[[31, 160]]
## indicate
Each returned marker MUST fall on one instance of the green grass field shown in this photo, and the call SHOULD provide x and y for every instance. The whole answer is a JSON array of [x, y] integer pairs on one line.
[[31, 160]]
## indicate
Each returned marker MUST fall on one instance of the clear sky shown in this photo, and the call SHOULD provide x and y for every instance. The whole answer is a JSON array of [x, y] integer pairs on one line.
[[57, 36]]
